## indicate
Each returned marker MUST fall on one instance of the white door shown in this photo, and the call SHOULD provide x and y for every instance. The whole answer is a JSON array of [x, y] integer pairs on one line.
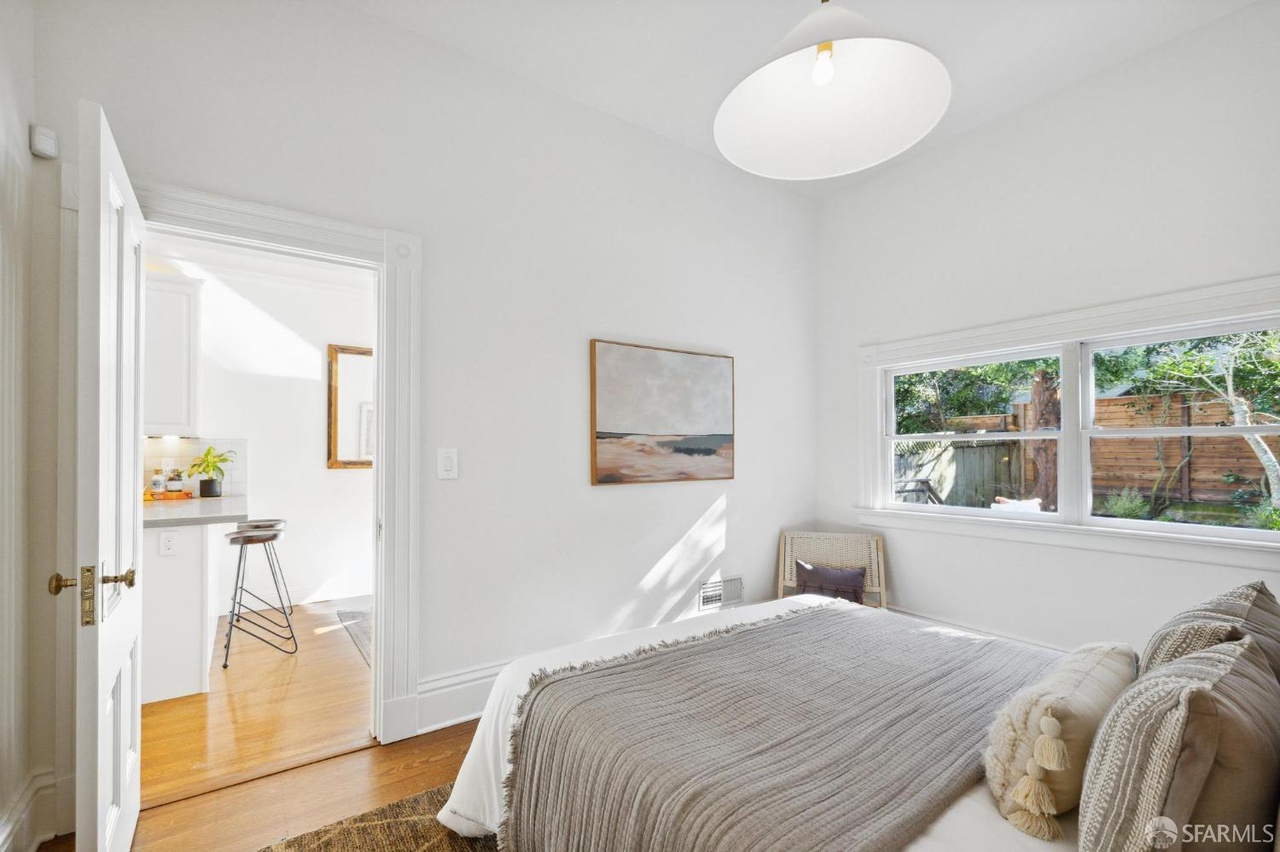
[[109, 494]]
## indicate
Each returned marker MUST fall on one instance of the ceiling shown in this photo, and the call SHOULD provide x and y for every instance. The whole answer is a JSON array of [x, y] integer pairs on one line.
[[665, 65]]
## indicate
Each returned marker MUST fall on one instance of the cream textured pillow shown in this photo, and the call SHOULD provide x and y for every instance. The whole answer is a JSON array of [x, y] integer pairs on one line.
[[1039, 742], [1196, 741]]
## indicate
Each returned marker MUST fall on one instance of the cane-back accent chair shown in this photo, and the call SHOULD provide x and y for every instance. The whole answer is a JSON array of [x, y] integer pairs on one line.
[[836, 550]]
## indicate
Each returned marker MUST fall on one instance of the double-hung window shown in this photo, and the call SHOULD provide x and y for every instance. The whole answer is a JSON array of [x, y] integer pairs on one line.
[[1176, 431], [1185, 429], [978, 434]]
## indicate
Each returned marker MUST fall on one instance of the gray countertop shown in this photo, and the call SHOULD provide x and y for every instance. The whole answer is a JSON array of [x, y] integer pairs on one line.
[[195, 512]]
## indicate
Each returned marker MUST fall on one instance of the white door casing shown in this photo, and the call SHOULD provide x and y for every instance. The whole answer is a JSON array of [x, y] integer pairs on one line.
[[398, 257], [108, 500], [400, 466]]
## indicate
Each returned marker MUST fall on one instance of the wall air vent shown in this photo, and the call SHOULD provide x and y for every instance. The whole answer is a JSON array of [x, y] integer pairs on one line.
[[715, 594]]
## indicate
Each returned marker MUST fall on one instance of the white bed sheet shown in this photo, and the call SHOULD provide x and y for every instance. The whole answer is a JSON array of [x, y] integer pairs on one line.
[[476, 806]]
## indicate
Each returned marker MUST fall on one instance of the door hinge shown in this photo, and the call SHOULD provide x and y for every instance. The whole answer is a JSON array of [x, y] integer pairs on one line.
[[379, 529], [86, 596]]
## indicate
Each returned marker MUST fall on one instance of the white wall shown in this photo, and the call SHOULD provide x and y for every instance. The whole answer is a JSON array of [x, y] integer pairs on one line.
[[16, 112], [545, 223], [264, 378], [1158, 175]]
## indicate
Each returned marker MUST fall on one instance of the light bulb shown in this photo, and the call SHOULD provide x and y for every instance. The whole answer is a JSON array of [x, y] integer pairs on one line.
[[824, 69]]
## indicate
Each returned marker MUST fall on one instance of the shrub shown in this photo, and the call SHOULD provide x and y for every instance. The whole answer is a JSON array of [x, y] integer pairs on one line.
[[1129, 503], [1263, 516]]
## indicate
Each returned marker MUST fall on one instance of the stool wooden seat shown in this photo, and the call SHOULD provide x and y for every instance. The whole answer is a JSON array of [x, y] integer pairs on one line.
[[262, 524], [263, 625], [271, 524]]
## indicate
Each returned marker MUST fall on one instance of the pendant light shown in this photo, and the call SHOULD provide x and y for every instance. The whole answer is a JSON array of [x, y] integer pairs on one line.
[[838, 96]]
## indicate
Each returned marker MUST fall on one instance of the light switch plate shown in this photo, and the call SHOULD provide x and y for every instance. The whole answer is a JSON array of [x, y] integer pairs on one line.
[[446, 463]]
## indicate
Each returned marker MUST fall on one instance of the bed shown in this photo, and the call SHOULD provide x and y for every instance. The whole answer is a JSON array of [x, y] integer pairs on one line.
[[479, 802]]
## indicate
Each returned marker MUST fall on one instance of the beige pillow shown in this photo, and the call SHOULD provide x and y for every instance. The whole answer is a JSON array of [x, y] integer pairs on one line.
[[1196, 741], [1039, 742], [1250, 609]]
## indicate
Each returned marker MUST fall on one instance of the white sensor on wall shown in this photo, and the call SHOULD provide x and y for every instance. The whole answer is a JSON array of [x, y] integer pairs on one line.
[[44, 142]]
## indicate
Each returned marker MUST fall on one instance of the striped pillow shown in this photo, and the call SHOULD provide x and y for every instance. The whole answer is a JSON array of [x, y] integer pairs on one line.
[[1248, 609], [1196, 741]]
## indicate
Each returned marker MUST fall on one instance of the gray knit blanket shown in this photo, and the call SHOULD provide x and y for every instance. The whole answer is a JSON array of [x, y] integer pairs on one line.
[[834, 728]]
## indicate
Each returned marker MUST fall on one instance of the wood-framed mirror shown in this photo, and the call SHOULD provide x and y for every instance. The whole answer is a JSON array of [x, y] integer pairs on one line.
[[351, 412]]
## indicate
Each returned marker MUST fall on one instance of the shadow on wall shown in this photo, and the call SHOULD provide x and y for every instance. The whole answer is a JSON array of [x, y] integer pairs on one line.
[[670, 583]]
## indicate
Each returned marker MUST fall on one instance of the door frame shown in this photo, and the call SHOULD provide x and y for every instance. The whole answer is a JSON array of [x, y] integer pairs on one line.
[[396, 257]]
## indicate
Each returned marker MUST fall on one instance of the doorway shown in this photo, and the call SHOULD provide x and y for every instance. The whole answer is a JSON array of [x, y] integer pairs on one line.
[[251, 413], [105, 221]]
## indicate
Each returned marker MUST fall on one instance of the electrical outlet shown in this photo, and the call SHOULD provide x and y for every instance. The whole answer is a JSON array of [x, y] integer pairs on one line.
[[168, 543]]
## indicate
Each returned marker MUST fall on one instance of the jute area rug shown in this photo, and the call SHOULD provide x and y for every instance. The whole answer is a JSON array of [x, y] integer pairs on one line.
[[409, 825]]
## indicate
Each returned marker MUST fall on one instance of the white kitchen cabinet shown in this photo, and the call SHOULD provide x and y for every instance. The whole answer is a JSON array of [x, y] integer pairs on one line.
[[171, 389], [177, 642], [182, 543]]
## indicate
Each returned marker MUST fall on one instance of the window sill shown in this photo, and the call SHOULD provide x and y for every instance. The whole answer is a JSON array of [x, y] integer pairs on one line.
[[1260, 555]]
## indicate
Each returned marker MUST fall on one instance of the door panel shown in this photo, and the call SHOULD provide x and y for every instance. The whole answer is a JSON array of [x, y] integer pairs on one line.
[[108, 501]]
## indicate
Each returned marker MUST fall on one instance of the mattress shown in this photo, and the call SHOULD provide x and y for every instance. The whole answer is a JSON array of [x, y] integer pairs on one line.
[[476, 806]]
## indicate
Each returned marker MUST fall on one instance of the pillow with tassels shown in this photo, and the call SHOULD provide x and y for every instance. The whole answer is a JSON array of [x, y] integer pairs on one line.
[[1039, 742]]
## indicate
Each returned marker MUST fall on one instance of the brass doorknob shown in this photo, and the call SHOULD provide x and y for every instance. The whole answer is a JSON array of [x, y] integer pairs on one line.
[[58, 582], [128, 578]]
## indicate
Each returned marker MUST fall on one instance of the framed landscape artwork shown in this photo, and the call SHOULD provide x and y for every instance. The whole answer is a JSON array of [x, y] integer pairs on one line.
[[659, 415]]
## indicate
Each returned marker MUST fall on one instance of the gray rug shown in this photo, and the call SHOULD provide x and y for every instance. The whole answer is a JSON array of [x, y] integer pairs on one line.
[[359, 624]]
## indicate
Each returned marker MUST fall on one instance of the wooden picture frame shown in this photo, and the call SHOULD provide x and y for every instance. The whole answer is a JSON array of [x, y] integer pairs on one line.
[[334, 461], [660, 415]]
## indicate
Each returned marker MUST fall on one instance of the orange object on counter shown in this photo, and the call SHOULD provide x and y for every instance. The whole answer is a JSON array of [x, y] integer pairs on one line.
[[148, 496]]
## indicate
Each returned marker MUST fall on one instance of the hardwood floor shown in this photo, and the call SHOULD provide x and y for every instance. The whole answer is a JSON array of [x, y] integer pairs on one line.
[[266, 713], [258, 813]]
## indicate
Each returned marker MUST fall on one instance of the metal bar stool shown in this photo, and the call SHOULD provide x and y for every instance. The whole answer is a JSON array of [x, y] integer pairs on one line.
[[258, 623], [271, 524]]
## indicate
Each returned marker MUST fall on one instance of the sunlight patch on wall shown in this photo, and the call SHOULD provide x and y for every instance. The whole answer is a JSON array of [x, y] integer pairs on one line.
[[670, 585], [243, 338]]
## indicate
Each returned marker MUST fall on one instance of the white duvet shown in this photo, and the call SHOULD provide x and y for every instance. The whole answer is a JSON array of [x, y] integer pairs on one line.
[[476, 806]]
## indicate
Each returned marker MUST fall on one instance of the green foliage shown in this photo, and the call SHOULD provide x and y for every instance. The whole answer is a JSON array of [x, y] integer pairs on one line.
[[1242, 368], [925, 402], [209, 463], [1129, 503], [1248, 491], [1263, 516]]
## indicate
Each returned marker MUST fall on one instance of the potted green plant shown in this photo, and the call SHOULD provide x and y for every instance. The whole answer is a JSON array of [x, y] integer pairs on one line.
[[208, 466]]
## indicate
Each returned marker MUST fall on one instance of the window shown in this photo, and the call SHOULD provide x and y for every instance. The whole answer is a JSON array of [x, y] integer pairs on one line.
[[981, 435], [1188, 430], [1177, 430]]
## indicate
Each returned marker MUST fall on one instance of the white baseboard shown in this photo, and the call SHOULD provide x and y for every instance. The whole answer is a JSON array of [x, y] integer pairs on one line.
[[454, 697], [28, 820], [399, 719], [64, 818]]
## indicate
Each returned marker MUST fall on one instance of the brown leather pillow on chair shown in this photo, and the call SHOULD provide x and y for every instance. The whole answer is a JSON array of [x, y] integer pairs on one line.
[[846, 583]]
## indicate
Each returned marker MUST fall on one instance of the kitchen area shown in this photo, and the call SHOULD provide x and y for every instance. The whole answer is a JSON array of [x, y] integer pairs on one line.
[[183, 538], [183, 531], [257, 362]]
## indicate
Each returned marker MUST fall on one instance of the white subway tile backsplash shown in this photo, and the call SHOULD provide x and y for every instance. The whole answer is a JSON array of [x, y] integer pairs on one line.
[[167, 453]]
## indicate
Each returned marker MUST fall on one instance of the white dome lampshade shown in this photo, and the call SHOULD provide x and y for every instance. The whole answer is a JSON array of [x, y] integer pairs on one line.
[[837, 98]]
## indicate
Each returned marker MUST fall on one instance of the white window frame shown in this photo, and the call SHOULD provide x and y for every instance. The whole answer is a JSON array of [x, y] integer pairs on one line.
[[889, 374], [1073, 337]]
